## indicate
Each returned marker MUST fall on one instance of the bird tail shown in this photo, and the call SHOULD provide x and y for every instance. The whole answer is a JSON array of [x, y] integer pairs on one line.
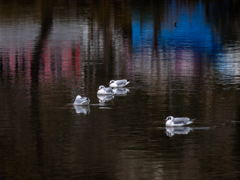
[[192, 120]]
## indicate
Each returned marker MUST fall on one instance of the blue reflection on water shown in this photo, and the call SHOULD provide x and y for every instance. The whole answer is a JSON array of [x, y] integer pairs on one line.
[[192, 31], [142, 30]]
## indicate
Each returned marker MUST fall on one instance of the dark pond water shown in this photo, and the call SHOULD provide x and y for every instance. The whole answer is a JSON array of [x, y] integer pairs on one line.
[[182, 58]]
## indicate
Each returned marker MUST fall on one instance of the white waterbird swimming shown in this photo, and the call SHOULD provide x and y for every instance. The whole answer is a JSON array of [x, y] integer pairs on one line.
[[104, 90], [178, 121], [119, 83], [81, 101]]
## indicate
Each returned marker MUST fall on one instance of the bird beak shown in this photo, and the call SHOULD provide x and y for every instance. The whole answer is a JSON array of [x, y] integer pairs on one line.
[[165, 120]]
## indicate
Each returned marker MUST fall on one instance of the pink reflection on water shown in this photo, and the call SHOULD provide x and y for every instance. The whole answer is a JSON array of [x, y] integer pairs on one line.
[[55, 61]]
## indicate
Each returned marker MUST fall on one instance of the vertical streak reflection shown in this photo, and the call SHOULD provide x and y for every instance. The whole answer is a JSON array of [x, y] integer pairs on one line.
[[41, 41]]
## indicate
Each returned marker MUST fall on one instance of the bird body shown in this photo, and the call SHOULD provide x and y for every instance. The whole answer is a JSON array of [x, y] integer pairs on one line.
[[119, 83], [81, 101], [104, 90], [178, 121]]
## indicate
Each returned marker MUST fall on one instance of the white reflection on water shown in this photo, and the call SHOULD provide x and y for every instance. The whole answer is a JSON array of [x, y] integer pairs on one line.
[[105, 98], [82, 109], [120, 91], [171, 131], [228, 66]]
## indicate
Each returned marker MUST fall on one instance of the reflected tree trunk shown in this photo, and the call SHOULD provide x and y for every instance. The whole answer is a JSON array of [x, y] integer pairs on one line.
[[41, 40]]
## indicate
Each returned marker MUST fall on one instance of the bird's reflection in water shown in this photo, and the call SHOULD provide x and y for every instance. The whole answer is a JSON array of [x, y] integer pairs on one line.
[[171, 131], [105, 98], [82, 109], [120, 91]]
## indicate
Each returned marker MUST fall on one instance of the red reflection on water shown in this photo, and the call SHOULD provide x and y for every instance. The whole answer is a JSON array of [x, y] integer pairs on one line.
[[55, 61]]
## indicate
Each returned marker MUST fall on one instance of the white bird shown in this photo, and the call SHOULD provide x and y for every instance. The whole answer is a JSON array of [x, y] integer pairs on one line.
[[104, 90], [81, 101], [119, 83], [178, 121]]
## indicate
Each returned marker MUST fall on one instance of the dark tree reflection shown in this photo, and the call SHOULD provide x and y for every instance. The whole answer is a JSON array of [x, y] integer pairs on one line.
[[37, 60]]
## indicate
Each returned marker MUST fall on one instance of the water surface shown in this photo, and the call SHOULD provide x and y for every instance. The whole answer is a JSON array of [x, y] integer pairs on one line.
[[182, 59]]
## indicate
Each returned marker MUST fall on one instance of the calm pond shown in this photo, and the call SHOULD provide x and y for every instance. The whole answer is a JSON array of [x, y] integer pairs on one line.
[[182, 59]]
